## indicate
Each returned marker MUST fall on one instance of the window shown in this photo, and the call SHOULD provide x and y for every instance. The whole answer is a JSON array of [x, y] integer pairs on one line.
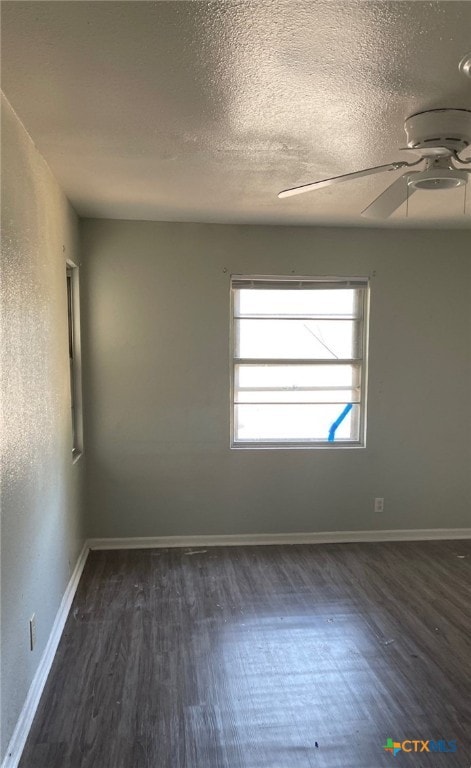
[[299, 361], [73, 322]]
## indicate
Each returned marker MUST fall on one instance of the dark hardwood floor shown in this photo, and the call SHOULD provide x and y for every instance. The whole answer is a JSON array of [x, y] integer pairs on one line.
[[262, 657]]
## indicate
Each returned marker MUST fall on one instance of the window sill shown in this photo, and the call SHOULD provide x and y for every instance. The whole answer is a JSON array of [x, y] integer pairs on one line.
[[295, 446]]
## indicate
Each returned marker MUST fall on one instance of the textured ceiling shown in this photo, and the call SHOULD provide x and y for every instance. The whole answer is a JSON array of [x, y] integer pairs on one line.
[[203, 111]]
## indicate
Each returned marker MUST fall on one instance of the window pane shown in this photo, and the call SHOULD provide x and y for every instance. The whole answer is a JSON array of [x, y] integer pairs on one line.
[[294, 376], [297, 383], [318, 302], [291, 423], [291, 339], [296, 396]]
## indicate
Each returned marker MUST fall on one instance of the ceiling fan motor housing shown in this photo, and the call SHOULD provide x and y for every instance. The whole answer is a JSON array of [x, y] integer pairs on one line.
[[450, 128]]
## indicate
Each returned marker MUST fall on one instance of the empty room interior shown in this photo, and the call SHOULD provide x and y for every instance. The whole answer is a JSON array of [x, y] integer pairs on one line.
[[236, 384]]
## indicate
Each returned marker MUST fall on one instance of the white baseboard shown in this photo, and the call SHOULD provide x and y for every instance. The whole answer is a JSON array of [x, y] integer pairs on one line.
[[247, 539], [25, 720]]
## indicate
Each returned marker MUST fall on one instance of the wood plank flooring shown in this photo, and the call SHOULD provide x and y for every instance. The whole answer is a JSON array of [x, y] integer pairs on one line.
[[262, 657]]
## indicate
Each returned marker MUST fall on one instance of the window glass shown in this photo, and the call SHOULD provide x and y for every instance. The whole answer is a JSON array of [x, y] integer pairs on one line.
[[299, 361]]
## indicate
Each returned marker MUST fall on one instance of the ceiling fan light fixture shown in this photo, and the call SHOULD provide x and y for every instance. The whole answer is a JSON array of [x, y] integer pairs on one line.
[[438, 178]]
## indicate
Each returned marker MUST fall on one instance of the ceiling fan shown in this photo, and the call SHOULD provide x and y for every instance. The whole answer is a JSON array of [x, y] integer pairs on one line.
[[438, 136]]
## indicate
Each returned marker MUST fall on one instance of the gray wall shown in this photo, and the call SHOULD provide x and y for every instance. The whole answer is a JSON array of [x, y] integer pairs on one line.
[[157, 383], [41, 489]]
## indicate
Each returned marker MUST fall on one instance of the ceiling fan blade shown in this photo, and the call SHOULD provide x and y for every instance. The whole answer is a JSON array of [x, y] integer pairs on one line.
[[462, 160], [390, 199], [338, 179]]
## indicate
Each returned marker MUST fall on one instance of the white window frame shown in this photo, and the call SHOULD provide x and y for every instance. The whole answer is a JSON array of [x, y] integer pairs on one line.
[[362, 361], [75, 357]]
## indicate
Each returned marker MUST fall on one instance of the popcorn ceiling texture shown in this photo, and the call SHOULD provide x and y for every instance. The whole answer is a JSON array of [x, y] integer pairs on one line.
[[41, 489], [204, 111]]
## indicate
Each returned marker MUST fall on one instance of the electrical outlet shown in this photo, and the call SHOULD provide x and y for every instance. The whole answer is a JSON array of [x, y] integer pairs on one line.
[[379, 505], [32, 632]]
